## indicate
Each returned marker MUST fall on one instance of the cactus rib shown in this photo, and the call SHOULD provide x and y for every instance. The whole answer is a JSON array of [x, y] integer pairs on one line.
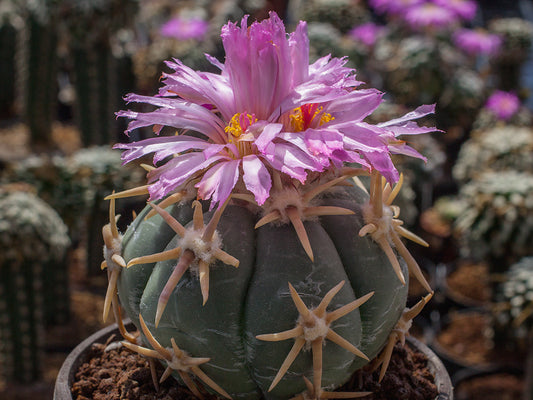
[[313, 327]]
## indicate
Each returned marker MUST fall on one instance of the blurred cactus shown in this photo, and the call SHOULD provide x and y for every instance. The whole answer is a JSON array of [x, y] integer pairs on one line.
[[514, 301], [496, 224], [37, 64], [74, 186], [342, 14], [501, 148], [33, 281], [97, 35], [10, 24], [517, 36], [154, 47]]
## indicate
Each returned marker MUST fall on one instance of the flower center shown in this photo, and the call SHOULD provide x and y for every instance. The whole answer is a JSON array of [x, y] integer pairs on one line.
[[236, 129], [308, 116]]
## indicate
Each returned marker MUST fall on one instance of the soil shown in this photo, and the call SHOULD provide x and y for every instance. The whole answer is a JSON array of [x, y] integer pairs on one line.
[[501, 386], [121, 374], [470, 282], [467, 337]]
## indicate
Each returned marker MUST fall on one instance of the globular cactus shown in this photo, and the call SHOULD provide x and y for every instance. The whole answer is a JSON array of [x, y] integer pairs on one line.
[[270, 278], [496, 223], [33, 290], [501, 148], [514, 301]]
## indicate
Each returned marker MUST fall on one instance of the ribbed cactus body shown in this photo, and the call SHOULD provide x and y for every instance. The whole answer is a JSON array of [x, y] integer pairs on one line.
[[254, 299]]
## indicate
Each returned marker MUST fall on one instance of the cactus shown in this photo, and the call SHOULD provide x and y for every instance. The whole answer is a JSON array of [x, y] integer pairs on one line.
[[100, 61], [501, 148], [516, 34], [10, 23], [343, 14], [496, 223], [73, 185], [514, 301], [37, 64], [33, 288], [271, 277]]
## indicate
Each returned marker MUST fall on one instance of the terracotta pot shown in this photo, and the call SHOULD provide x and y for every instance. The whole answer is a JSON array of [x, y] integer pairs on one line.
[[77, 357]]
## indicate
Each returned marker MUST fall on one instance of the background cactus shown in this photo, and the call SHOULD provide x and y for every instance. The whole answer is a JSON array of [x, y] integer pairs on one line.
[[33, 281], [100, 63], [73, 185], [37, 65], [496, 224], [514, 302], [502, 148]]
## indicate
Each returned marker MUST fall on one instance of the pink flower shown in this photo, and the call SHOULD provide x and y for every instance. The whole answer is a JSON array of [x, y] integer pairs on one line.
[[464, 9], [430, 15], [503, 104], [268, 111], [477, 42], [366, 33], [393, 7], [184, 28]]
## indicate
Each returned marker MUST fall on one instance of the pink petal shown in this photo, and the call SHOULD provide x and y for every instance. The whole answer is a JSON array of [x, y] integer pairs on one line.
[[256, 178], [218, 182]]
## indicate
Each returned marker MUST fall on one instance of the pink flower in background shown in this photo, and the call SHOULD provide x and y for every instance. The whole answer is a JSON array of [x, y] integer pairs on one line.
[[477, 42], [465, 9], [429, 15], [393, 7], [503, 104], [184, 28], [366, 33], [268, 111]]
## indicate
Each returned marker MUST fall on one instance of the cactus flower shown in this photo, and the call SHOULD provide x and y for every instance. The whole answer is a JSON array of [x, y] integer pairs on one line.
[[268, 110]]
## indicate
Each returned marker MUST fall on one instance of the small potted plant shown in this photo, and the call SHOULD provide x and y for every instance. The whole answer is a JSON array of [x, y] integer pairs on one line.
[[261, 266]]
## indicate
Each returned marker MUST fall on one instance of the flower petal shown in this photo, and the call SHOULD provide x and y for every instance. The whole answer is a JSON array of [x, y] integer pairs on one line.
[[256, 178], [218, 182]]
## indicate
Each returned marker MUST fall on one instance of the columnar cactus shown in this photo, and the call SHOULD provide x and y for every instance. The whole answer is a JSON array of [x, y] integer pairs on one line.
[[98, 59], [33, 240], [37, 63], [261, 259]]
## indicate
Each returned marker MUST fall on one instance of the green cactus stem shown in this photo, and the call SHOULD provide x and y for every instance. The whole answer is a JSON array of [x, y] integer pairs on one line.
[[34, 242], [37, 63], [208, 290]]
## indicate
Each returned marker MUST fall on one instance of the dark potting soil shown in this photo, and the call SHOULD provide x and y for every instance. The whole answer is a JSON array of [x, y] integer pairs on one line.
[[121, 374]]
